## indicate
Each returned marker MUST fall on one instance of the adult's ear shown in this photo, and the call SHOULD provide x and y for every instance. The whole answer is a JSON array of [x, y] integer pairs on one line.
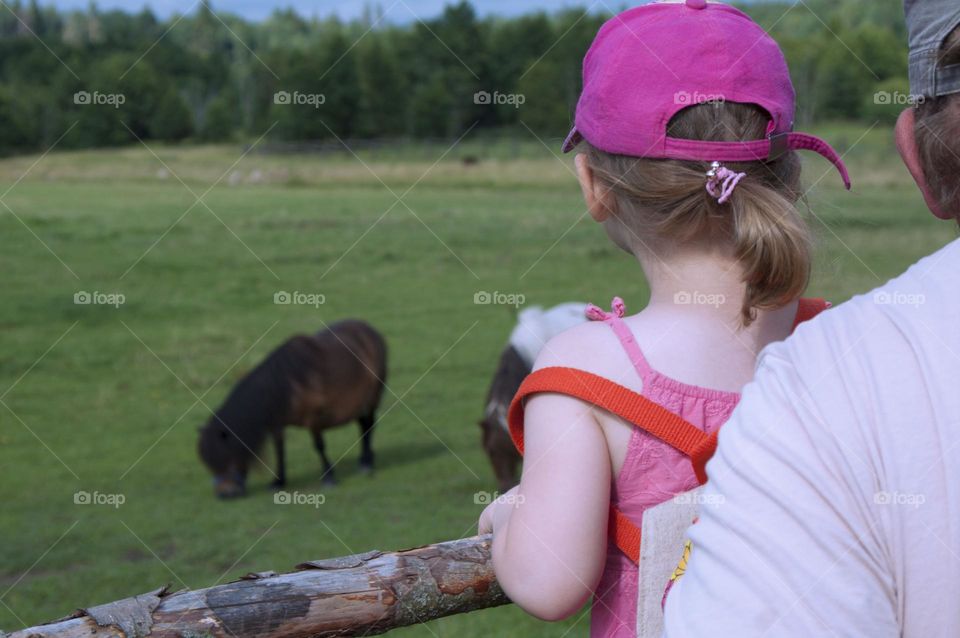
[[597, 199], [906, 140]]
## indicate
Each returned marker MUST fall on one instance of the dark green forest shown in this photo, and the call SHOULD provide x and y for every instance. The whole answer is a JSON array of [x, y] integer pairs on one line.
[[102, 78]]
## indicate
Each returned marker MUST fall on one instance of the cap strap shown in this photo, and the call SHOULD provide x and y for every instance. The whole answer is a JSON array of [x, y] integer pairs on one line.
[[948, 80], [802, 141], [751, 151]]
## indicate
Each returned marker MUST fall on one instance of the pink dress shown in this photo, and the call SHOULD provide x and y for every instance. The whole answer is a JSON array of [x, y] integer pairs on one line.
[[652, 473]]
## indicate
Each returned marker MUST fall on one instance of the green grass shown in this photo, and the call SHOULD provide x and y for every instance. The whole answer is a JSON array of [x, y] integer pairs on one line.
[[107, 395]]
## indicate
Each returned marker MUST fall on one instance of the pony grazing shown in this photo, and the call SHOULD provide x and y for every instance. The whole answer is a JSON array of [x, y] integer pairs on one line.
[[535, 326], [314, 381]]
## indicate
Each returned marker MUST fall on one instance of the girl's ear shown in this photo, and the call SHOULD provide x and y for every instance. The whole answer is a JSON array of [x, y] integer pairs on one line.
[[907, 145], [598, 200]]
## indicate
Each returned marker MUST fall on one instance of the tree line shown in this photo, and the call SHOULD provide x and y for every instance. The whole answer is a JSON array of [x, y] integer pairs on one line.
[[99, 78]]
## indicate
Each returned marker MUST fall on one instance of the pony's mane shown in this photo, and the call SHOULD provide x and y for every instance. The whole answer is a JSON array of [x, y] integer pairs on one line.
[[261, 399]]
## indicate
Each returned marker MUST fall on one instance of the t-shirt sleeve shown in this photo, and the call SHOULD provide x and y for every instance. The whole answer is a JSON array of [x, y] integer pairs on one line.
[[786, 544]]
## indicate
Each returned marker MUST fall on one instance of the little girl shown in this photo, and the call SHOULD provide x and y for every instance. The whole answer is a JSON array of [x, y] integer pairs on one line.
[[687, 158]]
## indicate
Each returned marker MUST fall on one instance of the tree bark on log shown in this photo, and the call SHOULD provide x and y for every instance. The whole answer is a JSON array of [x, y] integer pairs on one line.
[[363, 594]]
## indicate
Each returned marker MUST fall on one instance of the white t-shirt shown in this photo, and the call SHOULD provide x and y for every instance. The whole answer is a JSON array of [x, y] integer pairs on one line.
[[837, 479]]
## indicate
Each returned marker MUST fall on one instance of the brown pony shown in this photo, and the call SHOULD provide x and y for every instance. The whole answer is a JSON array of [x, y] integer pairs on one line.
[[316, 382]]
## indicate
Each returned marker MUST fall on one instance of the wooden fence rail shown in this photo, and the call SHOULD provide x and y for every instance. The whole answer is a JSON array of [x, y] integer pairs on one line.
[[363, 594]]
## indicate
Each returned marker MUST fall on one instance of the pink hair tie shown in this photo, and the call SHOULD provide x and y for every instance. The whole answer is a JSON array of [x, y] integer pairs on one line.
[[722, 177]]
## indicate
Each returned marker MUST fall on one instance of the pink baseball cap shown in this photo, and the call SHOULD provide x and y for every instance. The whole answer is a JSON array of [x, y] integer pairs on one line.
[[649, 62]]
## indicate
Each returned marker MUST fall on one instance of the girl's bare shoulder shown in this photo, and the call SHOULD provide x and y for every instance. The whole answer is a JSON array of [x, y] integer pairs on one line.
[[590, 346]]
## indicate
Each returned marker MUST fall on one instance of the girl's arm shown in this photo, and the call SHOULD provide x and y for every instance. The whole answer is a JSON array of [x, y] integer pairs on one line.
[[549, 537]]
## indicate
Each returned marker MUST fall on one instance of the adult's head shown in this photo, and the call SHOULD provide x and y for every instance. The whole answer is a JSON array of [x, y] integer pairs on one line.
[[928, 134]]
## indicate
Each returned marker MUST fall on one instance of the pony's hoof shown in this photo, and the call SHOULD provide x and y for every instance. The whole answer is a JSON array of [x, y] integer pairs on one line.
[[329, 481], [366, 468], [278, 484]]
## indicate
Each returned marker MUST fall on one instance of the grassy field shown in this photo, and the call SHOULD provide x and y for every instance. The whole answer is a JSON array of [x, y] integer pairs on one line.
[[108, 399]]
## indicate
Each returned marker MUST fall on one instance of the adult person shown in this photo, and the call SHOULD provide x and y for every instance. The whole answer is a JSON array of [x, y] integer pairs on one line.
[[837, 480]]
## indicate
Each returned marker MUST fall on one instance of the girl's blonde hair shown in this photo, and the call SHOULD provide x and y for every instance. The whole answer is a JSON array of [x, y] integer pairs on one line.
[[663, 202]]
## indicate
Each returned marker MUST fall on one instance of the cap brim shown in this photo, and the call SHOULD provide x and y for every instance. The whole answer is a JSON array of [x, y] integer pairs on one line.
[[572, 140]]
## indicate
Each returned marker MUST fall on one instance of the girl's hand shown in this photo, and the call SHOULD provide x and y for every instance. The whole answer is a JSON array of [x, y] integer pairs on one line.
[[498, 512]]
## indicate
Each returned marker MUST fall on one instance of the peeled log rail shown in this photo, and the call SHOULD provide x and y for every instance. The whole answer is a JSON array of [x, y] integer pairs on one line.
[[363, 594]]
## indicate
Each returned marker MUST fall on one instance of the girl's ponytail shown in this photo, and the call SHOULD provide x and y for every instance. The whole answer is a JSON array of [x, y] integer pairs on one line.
[[773, 245]]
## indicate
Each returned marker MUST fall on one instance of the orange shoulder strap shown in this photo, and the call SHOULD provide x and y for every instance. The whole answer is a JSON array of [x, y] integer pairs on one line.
[[631, 407], [808, 308]]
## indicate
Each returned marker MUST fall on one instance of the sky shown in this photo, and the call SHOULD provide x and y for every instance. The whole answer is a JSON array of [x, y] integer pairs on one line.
[[396, 10]]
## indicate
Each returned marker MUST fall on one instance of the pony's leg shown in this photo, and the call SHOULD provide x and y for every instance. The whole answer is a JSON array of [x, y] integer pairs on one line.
[[281, 479], [327, 477], [366, 435]]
